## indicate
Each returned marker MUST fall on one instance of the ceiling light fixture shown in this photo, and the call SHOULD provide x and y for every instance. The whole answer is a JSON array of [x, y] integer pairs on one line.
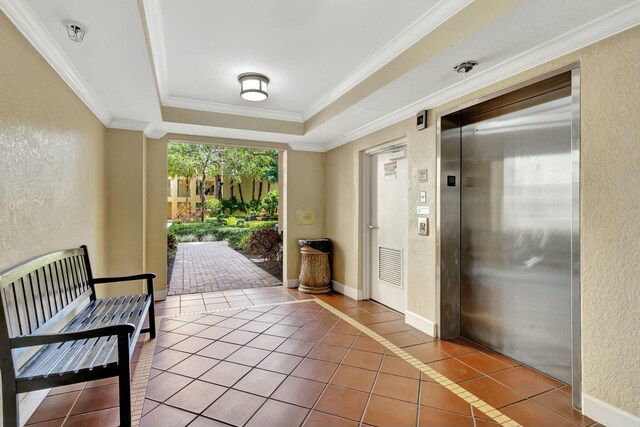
[[253, 86], [75, 30], [465, 67]]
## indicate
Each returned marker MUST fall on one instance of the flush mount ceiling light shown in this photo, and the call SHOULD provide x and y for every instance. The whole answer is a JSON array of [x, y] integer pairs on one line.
[[75, 30], [465, 67], [253, 86]]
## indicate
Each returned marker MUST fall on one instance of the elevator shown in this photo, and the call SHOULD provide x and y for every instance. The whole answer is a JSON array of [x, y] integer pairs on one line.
[[509, 225]]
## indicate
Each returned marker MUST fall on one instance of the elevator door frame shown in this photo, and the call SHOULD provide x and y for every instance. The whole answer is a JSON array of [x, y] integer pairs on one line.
[[447, 263]]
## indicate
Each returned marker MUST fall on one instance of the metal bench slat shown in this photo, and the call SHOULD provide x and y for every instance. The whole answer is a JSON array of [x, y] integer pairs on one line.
[[75, 356]]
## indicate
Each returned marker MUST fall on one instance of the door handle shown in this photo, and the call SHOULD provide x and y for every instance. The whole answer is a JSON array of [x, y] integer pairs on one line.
[[371, 227]]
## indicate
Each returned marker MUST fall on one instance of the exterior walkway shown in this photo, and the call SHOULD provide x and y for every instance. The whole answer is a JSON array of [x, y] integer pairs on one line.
[[213, 266]]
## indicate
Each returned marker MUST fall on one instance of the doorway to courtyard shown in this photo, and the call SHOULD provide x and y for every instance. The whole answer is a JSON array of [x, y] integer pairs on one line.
[[223, 227]]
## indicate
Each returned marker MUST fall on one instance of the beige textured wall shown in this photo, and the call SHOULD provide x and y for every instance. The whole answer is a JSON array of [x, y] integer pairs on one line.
[[610, 191], [51, 167], [126, 203], [610, 228], [156, 221], [304, 181], [52, 189]]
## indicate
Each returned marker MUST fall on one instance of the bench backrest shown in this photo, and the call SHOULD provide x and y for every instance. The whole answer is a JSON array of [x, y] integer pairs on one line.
[[35, 291]]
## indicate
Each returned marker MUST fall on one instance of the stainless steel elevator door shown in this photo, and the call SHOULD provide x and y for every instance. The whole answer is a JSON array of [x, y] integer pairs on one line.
[[516, 178]]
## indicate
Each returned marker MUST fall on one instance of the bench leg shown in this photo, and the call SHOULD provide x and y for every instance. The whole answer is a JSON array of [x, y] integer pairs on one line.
[[152, 309], [152, 322], [10, 403], [124, 381], [10, 408]]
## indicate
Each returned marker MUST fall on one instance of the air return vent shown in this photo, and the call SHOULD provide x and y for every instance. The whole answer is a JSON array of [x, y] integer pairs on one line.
[[390, 266]]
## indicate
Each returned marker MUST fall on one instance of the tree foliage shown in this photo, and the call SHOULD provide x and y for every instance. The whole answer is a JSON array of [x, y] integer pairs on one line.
[[202, 161]]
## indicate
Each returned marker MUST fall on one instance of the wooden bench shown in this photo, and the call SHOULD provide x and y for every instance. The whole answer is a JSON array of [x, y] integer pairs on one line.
[[54, 331]]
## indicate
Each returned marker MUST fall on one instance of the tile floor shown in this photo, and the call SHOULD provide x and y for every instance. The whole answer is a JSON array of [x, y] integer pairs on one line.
[[298, 364]]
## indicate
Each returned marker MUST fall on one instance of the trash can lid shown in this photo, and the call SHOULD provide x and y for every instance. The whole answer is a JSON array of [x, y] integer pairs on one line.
[[321, 244]]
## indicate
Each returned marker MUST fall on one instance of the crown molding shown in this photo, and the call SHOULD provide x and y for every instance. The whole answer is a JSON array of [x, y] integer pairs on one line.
[[607, 25], [127, 124], [32, 28], [151, 130], [215, 107], [154, 131], [427, 22], [155, 29], [307, 146]]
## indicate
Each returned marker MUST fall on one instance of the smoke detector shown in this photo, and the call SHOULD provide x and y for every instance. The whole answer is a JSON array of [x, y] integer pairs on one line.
[[465, 67], [75, 30]]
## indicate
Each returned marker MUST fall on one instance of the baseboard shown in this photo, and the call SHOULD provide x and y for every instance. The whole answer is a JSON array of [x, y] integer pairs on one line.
[[293, 283], [160, 295], [607, 414], [420, 323], [348, 291]]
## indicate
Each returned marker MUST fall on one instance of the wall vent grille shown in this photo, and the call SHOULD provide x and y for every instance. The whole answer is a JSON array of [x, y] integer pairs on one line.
[[390, 266]]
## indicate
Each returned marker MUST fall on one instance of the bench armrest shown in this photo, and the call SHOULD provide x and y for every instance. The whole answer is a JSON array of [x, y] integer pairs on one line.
[[144, 276], [105, 331]]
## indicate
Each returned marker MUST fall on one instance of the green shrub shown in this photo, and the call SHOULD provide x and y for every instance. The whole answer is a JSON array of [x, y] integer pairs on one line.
[[243, 245], [208, 238], [232, 221], [188, 238], [270, 203], [260, 225], [239, 240], [172, 241], [213, 206]]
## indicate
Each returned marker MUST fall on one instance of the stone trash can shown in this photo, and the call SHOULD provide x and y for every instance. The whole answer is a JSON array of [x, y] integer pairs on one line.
[[315, 273]]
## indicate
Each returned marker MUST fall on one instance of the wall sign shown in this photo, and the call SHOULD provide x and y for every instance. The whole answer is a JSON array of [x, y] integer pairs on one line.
[[306, 217], [390, 170], [451, 181]]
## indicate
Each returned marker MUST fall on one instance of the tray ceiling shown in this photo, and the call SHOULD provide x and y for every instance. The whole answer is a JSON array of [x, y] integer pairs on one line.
[[338, 69]]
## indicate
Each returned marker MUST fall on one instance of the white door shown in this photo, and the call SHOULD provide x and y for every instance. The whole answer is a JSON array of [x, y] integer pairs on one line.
[[388, 228]]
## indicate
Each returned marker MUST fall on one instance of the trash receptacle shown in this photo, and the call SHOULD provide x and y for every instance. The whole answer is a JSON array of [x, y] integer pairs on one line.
[[315, 273]]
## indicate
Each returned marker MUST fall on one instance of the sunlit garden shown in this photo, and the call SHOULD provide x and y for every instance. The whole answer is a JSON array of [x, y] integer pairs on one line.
[[235, 200]]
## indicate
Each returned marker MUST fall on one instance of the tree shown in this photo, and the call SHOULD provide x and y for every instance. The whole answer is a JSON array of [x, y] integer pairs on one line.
[[272, 170], [201, 161], [180, 167], [196, 160], [235, 161]]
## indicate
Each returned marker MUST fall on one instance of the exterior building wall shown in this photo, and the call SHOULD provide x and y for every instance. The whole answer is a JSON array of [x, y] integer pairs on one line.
[[175, 200]]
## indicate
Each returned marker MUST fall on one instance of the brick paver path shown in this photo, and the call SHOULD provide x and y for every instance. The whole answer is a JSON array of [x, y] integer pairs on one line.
[[214, 266]]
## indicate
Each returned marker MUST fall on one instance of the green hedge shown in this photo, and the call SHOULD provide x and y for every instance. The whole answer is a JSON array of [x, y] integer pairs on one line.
[[213, 231], [240, 241]]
